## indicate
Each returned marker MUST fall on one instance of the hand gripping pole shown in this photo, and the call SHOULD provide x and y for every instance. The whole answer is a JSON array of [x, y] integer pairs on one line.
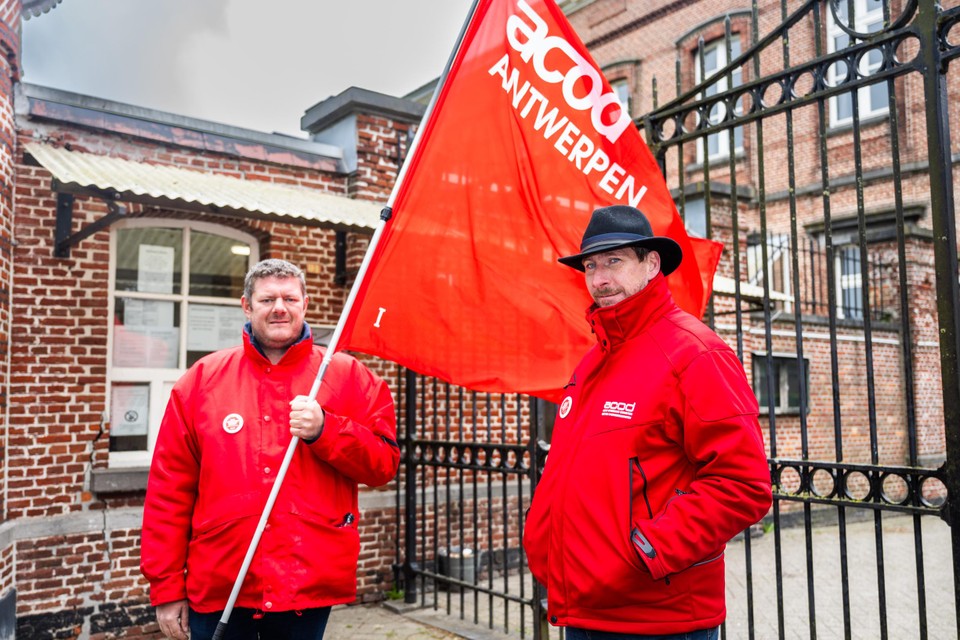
[[385, 215], [292, 447]]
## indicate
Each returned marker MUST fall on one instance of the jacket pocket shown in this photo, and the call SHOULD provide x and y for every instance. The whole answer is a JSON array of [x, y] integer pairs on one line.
[[321, 566], [638, 497], [709, 560], [335, 504], [601, 506], [227, 510]]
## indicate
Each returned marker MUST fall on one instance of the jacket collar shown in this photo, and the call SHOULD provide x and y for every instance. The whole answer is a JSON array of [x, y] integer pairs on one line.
[[303, 346], [629, 318]]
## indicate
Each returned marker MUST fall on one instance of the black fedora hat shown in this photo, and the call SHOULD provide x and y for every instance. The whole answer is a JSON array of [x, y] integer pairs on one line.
[[619, 226]]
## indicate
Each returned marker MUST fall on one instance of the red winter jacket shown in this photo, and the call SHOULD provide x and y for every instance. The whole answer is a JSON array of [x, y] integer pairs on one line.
[[656, 462], [222, 440]]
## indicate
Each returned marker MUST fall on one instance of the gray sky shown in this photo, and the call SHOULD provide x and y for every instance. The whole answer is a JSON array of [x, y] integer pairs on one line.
[[250, 63]]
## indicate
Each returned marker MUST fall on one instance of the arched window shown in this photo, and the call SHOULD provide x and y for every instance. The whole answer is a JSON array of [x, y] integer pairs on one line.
[[175, 290]]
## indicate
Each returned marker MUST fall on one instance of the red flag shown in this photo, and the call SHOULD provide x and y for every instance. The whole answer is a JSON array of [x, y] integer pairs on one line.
[[524, 141]]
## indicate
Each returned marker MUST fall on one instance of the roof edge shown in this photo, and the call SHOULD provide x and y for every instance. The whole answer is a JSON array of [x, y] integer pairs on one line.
[[66, 106], [356, 100]]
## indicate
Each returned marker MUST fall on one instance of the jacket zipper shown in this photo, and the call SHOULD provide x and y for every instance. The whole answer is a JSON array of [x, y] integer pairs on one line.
[[635, 461]]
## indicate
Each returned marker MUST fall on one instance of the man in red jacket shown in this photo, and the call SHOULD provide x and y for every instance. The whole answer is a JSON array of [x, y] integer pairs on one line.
[[226, 429], [657, 459]]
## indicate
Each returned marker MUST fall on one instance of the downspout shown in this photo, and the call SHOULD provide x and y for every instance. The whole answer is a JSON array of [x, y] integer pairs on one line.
[[9, 367], [10, 34]]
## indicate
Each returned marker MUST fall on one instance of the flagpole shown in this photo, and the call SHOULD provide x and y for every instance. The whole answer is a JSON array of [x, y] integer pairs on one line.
[[385, 215]]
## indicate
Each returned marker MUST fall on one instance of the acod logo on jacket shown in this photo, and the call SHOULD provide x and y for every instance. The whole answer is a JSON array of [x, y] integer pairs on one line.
[[616, 409]]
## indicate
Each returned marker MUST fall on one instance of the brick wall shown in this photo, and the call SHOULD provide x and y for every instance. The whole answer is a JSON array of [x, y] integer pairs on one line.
[[381, 143], [89, 582]]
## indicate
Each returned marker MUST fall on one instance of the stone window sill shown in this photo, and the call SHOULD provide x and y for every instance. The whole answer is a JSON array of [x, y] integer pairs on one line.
[[131, 480]]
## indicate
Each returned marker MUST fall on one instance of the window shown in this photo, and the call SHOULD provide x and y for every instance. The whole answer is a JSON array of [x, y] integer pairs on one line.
[[622, 89], [715, 59], [695, 217], [777, 267], [785, 373], [849, 283], [873, 99], [175, 289]]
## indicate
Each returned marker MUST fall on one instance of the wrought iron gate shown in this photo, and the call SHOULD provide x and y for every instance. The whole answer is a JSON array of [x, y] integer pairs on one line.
[[839, 155], [468, 474], [822, 157]]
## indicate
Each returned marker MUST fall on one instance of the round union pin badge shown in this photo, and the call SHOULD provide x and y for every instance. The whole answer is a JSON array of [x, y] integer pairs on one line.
[[565, 406], [233, 423]]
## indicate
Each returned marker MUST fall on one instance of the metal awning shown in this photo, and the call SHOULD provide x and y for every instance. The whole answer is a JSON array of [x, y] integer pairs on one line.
[[115, 179]]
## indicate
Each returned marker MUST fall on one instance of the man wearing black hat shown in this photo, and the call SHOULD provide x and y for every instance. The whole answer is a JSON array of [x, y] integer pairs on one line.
[[657, 459]]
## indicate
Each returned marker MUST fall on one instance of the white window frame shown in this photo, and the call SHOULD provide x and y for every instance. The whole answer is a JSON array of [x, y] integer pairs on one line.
[[851, 281], [778, 261], [865, 21], [161, 381], [723, 138]]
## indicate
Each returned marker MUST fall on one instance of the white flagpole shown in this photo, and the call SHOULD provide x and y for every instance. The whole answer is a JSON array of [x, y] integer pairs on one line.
[[385, 215]]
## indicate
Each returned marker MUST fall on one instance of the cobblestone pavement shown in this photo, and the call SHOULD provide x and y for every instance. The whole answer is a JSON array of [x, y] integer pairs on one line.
[[472, 616], [821, 582], [376, 622]]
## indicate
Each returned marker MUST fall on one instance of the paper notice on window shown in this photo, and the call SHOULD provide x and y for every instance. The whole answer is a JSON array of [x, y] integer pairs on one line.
[[212, 327], [129, 410], [142, 346], [155, 269], [148, 313]]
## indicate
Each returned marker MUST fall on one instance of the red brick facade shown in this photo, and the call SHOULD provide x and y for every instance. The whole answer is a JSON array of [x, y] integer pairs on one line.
[[69, 538], [69, 551], [61, 362]]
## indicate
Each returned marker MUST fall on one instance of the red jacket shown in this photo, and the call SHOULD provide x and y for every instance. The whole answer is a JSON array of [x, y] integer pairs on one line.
[[656, 462], [222, 440]]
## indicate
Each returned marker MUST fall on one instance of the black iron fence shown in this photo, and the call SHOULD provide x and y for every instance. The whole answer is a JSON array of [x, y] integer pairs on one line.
[[824, 163], [837, 120], [815, 295], [467, 478]]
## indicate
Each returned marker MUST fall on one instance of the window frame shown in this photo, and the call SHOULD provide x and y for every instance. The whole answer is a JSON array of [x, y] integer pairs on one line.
[[723, 138], [779, 267], [782, 390], [159, 380], [621, 87], [864, 21], [848, 281]]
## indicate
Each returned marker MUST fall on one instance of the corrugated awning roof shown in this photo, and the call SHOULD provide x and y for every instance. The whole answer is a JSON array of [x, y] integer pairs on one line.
[[164, 185]]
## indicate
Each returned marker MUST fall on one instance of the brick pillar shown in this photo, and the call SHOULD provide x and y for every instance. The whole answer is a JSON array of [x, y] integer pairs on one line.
[[382, 145], [11, 12]]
